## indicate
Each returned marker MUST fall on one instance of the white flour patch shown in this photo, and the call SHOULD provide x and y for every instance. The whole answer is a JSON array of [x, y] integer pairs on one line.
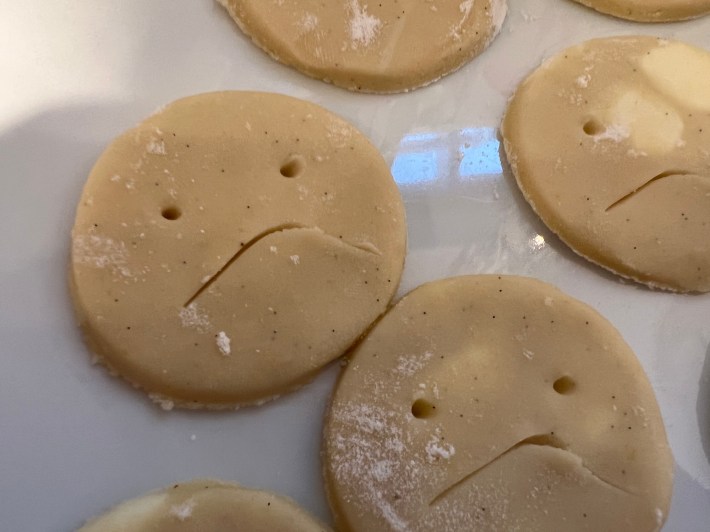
[[224, 343], [339, 133], [409, 365], [437, 449], [366, 453], [165, 404], [363, 26], [308, 22], [465, 8], [295, 259], [183, 511], [156, 146], [615, 133], [583, 81], [101, 252], [193, 316]]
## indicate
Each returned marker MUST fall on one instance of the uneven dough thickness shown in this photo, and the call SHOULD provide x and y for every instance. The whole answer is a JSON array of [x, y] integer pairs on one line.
[[229, 246], [495, 403], [371, 46], [610, 144], [650, 10], [205, 505]]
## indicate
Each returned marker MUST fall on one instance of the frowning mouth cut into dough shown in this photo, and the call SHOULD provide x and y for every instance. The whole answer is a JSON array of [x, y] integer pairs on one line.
[[609, 142], [371, 46], [495, 403], [365, 247], [232, 244]]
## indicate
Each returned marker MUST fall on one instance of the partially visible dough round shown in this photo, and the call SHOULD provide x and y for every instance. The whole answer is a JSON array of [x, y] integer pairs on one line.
[[205, 505], [231, 245], [495, 403], [650, 10], [610, 144], [371, 46]]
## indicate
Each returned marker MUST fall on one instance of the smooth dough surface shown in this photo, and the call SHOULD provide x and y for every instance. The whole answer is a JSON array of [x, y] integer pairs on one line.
[[205, 505], [650, 10], [371, 46], [495, 403], [232, 244], [610, 144]]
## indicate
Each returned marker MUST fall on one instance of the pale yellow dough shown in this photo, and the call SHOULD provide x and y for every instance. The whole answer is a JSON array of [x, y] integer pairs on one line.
[[610, 144], [495, 403], [371, 46], [232, 244], [650, 10], [202, 506]]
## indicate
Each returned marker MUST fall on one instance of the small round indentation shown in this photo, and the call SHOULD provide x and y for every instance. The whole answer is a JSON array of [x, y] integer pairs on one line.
[[293, 166], [564, 385], [171, 213], [593, 127], [422, 409]]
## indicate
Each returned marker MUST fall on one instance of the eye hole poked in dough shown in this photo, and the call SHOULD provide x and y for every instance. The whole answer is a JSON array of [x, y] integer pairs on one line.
[[231, 245], [650, 10], [495, 403], [380, 47], [609, 142], [205, 504]]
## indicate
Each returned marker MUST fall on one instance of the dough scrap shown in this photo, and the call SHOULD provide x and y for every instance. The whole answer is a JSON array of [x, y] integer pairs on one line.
[[650, 10], [495, 403], [231, 245], [205, 504], [609, 142], [369, 46]]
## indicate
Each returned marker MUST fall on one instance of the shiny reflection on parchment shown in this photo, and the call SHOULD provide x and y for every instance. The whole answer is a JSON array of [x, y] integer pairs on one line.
[[446, 157]]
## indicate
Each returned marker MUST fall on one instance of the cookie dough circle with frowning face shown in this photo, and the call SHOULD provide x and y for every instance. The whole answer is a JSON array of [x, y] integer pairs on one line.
[[610, 144], [650, 10], [495, 403], [371, 46], [232, 244], [205, 505]]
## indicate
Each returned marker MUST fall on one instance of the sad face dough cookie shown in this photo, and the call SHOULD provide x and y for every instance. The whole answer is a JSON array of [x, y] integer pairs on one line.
[[371, 46], [650, 10], [203, 505], [495, 403], [229, 246], [610, 144]]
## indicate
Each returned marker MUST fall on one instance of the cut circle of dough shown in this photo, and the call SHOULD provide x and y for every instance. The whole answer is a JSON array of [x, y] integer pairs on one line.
[[650, 10], [369, 46], [609, 142], [495, 403], [205, 504], [231, 245]]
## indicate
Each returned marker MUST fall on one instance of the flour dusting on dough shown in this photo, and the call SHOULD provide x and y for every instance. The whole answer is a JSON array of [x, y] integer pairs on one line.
[[193, 316], [437, 449], [363, 26], [465, 8], [157, 147], [224, 343], [101, 252], [183, 511], [308, 22]]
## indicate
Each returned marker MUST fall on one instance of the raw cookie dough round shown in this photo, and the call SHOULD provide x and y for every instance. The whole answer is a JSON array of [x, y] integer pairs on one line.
[[650, 10], [232, 244], [202, 505], [495, 403], [610, 144], [370, 46]]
